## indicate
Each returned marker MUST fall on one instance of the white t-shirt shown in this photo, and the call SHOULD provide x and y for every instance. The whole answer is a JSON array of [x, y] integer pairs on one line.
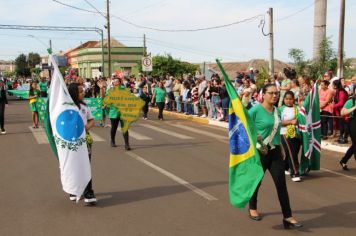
[[288, 113], [85, 113]]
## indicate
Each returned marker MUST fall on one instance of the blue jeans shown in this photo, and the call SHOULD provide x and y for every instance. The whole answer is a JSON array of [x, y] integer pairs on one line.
[[225, 106], [179, 106]]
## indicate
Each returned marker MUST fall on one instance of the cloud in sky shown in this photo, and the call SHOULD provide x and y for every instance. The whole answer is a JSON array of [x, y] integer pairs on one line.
[[236, 43]]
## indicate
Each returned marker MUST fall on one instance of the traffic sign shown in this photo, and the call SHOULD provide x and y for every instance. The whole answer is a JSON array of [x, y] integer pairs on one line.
[[146, 63]]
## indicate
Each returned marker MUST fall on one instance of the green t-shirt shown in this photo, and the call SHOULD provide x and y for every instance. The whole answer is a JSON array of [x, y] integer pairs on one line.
[[264, 122], [349, 104], [43, 86], [160, 94]]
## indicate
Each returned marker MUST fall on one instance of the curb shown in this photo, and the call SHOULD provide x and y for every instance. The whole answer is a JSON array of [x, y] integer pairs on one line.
[[325, 145]]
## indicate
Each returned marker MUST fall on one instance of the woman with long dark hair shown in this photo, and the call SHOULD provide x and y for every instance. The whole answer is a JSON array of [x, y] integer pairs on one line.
[[265, 117], [77, 93]]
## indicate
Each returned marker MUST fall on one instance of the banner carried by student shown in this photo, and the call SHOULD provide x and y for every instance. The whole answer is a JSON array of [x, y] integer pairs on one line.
[[245, 172]]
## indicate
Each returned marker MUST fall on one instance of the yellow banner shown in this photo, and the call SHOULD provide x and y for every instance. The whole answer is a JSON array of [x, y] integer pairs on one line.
[[128, 105]]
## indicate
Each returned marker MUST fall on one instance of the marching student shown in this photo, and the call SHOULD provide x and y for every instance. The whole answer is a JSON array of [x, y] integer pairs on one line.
[[267, 121], [349, 109], [114, 116], [3, 104], [159, 95], [145, 96], [290, 140], [77, 93], [34, 93]]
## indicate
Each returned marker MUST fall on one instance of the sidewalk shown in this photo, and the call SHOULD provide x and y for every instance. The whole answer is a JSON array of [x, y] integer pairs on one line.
[[330, 144]]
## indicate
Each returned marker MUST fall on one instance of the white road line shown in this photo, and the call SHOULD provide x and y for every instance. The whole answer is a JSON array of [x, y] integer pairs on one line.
[[41, 137], [196, 190], [206, 133], [138, 136], [337, 173], [96, 138], [168, 132]]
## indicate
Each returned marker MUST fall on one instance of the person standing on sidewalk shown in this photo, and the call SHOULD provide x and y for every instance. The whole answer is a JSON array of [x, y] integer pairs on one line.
[[3, 104], [349, 109], [326, 109]]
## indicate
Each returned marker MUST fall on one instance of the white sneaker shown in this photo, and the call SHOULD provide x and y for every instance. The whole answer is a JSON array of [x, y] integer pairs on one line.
[[3, 132], [107, 126], [72, 197], [203, 116], [296, 179], [286, 172]]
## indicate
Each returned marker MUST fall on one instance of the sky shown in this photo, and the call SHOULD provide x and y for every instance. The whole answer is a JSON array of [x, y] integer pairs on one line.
[[293, 27]]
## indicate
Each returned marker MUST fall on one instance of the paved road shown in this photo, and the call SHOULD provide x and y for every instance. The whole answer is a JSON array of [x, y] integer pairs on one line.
[[173, 182]]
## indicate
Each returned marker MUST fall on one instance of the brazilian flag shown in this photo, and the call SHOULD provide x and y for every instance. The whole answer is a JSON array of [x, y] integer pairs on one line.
[[245, 170]]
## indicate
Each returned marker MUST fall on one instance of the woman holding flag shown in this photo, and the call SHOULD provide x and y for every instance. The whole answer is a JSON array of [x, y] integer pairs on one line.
[[77, 93], [267, 122]]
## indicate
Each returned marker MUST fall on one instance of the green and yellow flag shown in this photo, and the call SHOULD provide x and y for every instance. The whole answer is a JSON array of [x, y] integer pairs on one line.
[[245, 171]]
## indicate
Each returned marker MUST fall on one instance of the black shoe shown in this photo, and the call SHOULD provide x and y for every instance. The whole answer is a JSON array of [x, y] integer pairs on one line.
[[90, 199], [127, 148], [256, 218], [287, 224], [344, 166], [342, 141], [113, 144]]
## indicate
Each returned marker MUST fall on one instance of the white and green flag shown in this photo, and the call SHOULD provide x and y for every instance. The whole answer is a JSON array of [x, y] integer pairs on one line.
[[309, 125], [67, 130]]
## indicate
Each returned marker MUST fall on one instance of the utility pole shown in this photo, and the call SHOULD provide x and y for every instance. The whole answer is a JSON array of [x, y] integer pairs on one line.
[[109, 40], [340, 57], [144, 45], [50, 68], [320, 10], [271, 49]]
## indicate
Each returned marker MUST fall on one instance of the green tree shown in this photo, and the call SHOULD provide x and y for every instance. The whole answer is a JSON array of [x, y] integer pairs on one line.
[[33, 59], [261, 77], [298, 57], [167, 64], [22, 68]]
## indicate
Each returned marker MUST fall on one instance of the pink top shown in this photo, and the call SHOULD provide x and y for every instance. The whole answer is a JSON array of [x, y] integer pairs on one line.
[[323, 96]]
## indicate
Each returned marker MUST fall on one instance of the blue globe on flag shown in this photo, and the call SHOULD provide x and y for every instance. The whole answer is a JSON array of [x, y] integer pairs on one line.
[[239, 139], [70, 125]]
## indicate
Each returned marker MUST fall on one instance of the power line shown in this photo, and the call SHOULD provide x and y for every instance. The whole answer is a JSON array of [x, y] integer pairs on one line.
[[295, 13], [101, 13], [169, 30]]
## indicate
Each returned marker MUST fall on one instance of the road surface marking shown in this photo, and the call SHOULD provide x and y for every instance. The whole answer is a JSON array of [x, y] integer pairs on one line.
[[196, 190], [206, 133], [138, 136], [41, 137], [337, 173], [168, 132]]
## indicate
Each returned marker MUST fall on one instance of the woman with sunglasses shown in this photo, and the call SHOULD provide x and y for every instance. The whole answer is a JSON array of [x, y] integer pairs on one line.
[[267, 121]]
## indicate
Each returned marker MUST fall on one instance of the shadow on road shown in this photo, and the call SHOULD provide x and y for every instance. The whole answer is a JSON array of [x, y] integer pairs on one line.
[[324, 217], [123, 197]]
